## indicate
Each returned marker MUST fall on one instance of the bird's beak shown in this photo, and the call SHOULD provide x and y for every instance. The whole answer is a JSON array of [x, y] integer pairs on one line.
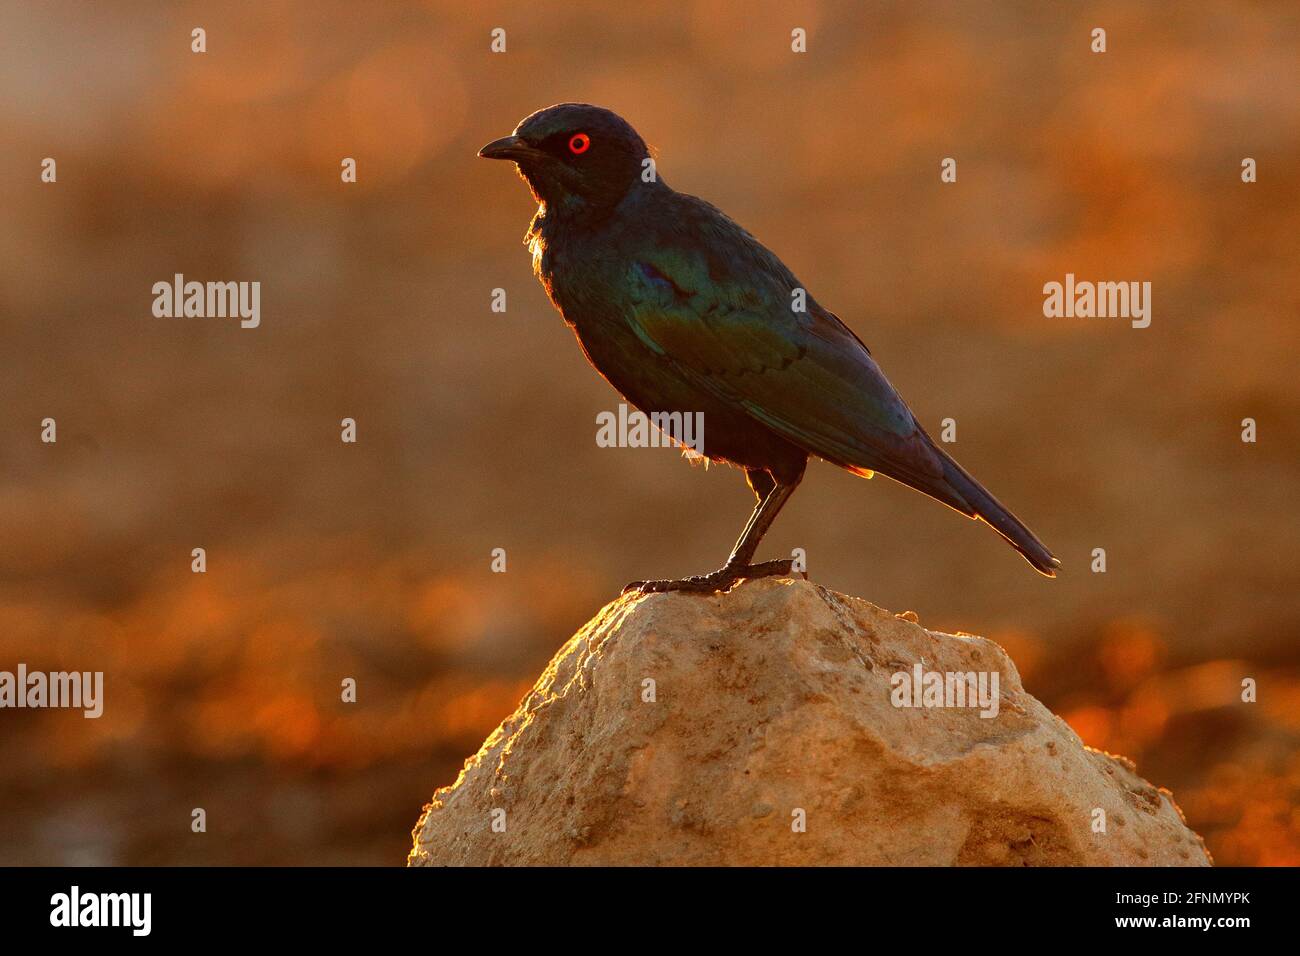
[[508, 147]]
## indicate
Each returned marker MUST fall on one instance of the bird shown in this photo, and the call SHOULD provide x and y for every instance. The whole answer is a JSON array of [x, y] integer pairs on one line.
[[683, 311]]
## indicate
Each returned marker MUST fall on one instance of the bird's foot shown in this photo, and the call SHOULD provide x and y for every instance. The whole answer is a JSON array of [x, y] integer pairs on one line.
[[723, 579]]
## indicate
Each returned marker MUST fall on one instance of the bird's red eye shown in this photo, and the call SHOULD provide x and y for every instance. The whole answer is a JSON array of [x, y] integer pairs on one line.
[[579, 144]]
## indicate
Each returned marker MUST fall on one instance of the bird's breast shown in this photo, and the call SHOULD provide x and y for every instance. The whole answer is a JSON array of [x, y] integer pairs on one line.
[[577, 279]]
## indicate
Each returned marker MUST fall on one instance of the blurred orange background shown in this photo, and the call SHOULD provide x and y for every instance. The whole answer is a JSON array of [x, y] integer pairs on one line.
[[477, 429]]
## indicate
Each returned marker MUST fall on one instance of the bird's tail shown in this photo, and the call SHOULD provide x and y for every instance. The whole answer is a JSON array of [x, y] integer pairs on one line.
[[974, 501], [957, 489]]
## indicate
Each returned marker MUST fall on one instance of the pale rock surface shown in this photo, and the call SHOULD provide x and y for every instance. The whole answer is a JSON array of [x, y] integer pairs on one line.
[[775, 699]]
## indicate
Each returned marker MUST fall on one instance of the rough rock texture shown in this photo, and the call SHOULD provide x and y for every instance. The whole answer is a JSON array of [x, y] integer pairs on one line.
[[775, 699]]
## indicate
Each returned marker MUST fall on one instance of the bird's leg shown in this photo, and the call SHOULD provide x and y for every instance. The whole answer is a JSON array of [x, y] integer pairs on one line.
[[772, 494]]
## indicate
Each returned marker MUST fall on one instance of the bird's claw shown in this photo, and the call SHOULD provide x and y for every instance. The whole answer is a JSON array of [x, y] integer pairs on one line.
[[723, 579]]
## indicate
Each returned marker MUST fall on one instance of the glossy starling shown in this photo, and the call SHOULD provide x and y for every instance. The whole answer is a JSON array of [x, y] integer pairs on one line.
[[681, 310]]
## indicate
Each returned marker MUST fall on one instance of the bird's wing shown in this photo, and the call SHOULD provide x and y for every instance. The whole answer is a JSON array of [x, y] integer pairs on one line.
[[719, 310]]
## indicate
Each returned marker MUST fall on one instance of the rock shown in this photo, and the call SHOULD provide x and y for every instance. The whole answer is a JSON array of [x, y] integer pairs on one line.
[[760, 727]]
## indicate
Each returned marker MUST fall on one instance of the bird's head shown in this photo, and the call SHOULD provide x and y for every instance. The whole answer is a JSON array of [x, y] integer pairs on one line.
[[573, 154]]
